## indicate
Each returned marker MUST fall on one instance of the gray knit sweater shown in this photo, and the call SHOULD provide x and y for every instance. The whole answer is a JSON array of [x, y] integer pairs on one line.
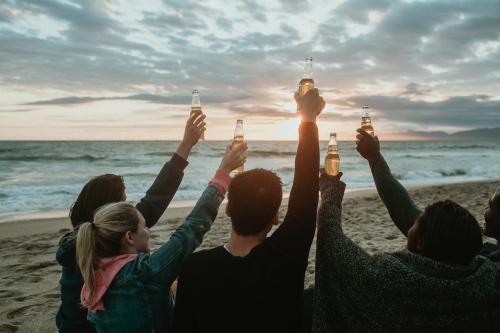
[[397, 292]]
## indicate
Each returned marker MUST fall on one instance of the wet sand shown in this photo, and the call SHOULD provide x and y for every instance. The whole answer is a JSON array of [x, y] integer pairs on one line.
[[29, 274]]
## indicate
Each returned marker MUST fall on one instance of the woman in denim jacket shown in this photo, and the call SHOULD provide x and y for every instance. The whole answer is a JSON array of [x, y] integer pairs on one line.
[[125, 288]]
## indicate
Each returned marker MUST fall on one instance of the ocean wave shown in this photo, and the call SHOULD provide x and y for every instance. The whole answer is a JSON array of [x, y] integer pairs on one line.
[[422, 156], [431, 174], [29, 158], [3, 196], [471, 146], [286, 169], [61, 192], [140, 174], [163, 153], [433, 146], [267, 153]]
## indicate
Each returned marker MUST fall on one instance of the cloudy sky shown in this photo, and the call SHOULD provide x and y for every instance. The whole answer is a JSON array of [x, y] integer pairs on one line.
[[122, 69]]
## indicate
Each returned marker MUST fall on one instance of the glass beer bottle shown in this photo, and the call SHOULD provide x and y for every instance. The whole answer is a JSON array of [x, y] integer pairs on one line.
[[366, 121], [237, 141], [307, 82], [332, 159], [196, 108]]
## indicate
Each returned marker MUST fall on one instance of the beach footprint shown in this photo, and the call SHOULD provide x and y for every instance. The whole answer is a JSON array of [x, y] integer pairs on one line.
[[8, 328]]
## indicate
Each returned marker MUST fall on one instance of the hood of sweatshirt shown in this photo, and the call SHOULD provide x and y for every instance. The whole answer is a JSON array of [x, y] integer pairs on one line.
[[108, 269], [66, 252]]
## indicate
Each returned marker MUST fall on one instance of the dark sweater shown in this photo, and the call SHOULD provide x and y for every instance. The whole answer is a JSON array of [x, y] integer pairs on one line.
[[398, 292], [72, 317], [261, 292], [401, 207]]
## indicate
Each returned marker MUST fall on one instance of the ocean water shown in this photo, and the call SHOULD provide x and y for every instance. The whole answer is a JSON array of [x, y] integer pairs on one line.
[[46, 176]]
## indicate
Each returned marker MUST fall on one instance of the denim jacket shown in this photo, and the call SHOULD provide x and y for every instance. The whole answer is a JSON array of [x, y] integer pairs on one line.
[[139, 298], [71, 316]]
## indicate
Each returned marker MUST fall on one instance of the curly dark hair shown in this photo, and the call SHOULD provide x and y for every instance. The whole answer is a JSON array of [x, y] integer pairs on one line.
[[449, 233]]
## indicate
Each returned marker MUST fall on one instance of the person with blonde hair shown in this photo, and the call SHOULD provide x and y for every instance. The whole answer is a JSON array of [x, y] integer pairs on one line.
[[108, 188], [127, 289]]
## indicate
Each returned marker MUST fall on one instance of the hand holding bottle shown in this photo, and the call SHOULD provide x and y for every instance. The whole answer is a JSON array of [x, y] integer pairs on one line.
[[195, 126], [367, 145], [234, 157], [310, 105]]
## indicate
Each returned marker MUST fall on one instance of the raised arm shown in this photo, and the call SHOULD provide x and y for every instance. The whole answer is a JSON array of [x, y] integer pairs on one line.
[[165, 263], [401, 207], [293, 238], [160, 194], [342, 267]]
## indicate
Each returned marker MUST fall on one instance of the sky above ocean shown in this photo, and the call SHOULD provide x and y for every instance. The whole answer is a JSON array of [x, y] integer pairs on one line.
[[124, 70]]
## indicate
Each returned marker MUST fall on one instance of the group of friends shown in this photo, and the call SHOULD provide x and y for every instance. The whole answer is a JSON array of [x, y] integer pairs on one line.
[[446, 280]]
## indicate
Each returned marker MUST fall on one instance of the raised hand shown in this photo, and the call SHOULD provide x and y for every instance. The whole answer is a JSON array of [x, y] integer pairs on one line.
[[323, 176], [233, 157], [195, 126], [327, 181], [368, 146], [310, 105]]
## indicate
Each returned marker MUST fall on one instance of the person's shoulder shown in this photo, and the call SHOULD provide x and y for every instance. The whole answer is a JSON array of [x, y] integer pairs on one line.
[[491, 251], [206, 256], [65, 254], [204, 260], [68, 237]]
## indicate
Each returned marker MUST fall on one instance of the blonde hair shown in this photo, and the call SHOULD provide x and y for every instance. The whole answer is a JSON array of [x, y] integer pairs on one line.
[[103, 238]]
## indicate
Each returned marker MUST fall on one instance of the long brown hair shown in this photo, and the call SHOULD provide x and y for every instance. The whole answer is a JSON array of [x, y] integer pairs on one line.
[[103, 238], [97, 192]]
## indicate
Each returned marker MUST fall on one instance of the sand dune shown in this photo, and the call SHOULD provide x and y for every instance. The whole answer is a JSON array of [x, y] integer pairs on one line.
[[29, 274]]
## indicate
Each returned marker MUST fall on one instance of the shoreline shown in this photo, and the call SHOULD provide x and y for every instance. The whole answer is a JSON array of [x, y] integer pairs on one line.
[[182, 205], [57, 220]]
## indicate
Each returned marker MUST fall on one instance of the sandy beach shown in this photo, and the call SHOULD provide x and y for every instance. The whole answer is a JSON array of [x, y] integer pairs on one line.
[[29, 274]]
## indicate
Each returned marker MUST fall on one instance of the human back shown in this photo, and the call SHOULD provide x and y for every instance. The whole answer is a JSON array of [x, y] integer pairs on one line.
[[254, 283], [104, 258], [255, 293], [438, 284]]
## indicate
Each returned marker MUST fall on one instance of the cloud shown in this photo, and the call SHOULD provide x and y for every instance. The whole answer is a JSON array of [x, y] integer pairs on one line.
[[459, 111], [244, 55], [17, 110], [416, 89], [359, 10], [260, 111], [173, 100]]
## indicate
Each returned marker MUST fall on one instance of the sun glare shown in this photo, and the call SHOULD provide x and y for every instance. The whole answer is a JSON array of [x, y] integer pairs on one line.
[[288, 129]]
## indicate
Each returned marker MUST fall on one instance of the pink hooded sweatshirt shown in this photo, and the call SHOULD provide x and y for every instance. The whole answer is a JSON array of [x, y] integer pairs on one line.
[[108, 268]]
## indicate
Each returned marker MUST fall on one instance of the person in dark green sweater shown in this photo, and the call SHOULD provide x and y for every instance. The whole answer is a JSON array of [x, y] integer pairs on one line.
[[71, 316], [402, 208]]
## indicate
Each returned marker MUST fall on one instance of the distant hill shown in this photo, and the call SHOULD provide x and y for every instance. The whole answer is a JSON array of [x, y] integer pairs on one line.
[[475, 134], [478, 134]]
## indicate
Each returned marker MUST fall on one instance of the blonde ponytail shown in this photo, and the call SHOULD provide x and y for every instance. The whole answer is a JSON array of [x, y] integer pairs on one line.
[[103, 238], [86, 256]]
